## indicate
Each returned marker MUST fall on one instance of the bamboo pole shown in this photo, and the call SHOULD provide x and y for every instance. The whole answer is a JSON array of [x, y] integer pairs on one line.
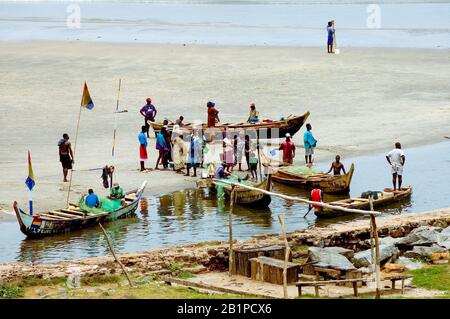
[[377, 251], [114, 254], [298, 199], [230, 226], [259, 155], [74, 151], [286, 255], [115, 120]]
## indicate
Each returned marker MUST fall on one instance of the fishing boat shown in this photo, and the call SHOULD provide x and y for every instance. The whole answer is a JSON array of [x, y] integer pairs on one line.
[[332, 184], [243, 196], [290, 124], [384, 198], [73, 217]]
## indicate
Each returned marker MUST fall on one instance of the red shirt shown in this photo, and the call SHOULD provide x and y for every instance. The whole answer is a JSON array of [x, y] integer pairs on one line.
[[288, 149], [212, 117]]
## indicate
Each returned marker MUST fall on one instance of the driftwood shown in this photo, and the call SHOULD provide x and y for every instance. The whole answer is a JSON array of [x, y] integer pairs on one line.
[[298, 199], [114, 254]]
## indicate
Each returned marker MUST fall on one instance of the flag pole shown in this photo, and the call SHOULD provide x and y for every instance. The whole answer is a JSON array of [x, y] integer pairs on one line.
[[115, 120], [31, 202], [74, 151]]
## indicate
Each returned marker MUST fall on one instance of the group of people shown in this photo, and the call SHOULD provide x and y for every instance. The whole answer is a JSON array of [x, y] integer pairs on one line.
[[172, 149]]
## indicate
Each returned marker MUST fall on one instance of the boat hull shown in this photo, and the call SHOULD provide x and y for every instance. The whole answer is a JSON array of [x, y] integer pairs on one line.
[[332, 184], [245, 197], [404, 195], [276, 129], [38, 226]]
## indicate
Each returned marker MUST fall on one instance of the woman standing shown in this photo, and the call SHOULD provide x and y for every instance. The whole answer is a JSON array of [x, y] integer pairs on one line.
[[179, 150], [330, 31]]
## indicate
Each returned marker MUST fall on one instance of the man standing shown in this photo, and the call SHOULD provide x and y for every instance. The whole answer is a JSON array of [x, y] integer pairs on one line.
[[148, 111], [65, 155], [310, 143], [213, 117], [396, 158], [337, 166], [288, 148], [143, 147]]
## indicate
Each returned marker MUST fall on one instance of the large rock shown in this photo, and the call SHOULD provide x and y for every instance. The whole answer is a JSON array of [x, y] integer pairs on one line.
[[348, 253], [424, 251], [443, 239], [423, 235], [364, 259], [329, 258]]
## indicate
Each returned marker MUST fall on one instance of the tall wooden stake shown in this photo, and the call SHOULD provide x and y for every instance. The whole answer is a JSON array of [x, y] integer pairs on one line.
[[114, 255], [74, 151], [377, 251], [230, 225], [259, 155], [286, 255], [115, 120]]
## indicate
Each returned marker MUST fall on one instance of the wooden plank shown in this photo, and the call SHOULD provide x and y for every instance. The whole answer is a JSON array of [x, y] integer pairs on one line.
[[52, 212], [52, 216], [325, 282], [69, 211]]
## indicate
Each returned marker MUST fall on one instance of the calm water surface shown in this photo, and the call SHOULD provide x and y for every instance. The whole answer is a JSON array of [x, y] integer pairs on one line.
[[193, 215]]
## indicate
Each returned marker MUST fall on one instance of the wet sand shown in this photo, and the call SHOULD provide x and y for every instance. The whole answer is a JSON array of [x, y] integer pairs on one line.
[[361, 101]]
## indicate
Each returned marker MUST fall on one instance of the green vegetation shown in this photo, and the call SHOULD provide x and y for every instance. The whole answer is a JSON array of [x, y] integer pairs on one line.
[[36, 281], [8, 291], [95, 280], [433, 277]]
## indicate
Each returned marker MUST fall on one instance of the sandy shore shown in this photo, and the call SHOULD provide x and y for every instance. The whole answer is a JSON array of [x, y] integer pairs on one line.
[[361, 101]]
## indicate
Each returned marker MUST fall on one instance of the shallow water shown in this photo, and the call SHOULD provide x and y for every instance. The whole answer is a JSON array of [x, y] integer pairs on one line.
[[404, 23], [193, 215]]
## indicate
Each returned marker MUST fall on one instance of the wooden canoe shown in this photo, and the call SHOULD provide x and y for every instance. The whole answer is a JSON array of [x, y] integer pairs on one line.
[[71, 218], [384, 198], [251, 198], [332, 184], [290, 124]]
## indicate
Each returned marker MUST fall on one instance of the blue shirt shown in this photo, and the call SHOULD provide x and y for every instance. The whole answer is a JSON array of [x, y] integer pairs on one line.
[[92, 200], [220, 172], [142, 139], [308, 140]]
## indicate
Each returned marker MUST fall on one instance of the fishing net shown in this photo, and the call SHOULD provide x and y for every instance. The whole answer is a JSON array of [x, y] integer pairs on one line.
[[220, 186], [300, 170], [106, 205]]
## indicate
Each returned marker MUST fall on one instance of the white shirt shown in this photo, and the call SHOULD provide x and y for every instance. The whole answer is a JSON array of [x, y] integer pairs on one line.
[[396, 156]]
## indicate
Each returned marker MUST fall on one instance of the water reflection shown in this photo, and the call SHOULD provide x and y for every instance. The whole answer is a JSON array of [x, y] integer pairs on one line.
[[197, 215]]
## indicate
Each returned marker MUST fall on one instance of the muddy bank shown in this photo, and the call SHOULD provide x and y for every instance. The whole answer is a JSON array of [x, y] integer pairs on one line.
[[210, 256]]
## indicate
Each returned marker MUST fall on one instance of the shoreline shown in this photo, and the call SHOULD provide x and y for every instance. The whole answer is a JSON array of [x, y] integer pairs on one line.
[[213, 253], [347, 117]]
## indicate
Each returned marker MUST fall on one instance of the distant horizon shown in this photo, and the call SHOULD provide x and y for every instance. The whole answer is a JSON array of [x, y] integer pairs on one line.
[[291, 23]]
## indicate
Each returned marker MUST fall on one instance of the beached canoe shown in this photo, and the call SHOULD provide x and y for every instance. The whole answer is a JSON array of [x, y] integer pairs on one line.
[[243, 196], [64, 220], [386, 197], [290, 124], [332, 184]]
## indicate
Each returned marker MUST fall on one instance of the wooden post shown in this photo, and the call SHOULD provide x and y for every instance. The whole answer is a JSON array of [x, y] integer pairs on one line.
[[74, 151], [259, 155], [377, 251], [230, 225], [114, 254], [286, 255]]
